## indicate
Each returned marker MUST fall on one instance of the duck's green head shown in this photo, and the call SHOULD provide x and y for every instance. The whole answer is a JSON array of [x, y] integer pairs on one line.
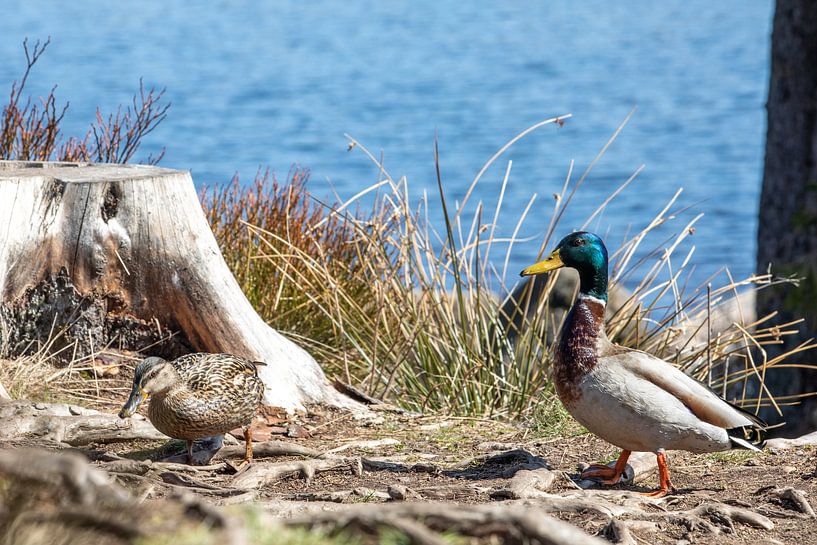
[[584, 252], [152, 376]]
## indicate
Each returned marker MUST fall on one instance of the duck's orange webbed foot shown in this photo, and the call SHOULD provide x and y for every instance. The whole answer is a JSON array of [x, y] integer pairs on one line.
[[665, 485], [607, 474]]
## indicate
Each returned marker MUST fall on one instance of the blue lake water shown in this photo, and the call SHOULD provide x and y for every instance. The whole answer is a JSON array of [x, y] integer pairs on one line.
[[277, 83]]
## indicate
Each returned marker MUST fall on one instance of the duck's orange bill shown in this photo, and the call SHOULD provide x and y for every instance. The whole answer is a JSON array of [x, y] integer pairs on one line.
[[553, 262]]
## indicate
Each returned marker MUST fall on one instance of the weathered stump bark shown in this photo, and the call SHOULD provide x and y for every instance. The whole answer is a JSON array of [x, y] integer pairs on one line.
[[122, 255], [787, 227]]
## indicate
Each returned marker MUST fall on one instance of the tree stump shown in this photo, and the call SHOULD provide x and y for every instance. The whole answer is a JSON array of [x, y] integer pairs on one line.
[[103, 255]]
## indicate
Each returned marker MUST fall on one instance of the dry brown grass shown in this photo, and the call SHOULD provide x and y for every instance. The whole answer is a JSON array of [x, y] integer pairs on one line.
[[302, 226], [421, 317], [101, 380], [41, 377]]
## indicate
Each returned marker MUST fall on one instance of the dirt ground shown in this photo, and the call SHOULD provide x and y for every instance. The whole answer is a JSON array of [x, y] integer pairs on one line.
[[471, 461], [330, 462]]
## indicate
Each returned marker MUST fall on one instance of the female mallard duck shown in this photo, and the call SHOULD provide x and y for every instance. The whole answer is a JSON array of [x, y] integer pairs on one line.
[[198, 395], [628, 397]]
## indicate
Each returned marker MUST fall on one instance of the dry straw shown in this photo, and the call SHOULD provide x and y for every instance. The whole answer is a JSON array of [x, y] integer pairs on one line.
[[425, 318]]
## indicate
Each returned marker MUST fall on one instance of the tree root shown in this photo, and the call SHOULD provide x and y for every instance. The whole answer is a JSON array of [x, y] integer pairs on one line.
[[80, 488], [84, 484], [254, 476], [797, 498], [70, 424], [421, 522], [711, 517], [259, 475], [781, 443], [176, 484], [188, 482], [340, 496], [365, 445], [379, 464], [208, 452], [527, 484], [724, 516], [620, 530], [269, 449], [117, 464]]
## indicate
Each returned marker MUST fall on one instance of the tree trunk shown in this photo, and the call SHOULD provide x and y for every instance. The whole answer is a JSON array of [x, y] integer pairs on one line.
[[787, 230], [95, 256]]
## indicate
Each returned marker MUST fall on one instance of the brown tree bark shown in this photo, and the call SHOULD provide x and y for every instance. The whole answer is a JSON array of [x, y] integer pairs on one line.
[[787, 230], [122, 255]]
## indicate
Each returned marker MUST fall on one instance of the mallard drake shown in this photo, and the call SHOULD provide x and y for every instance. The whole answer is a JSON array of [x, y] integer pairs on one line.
[[627, 397], [198, 395]]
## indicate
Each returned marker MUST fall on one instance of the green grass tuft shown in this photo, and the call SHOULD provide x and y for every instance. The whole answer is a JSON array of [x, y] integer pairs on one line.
[[549, 419]]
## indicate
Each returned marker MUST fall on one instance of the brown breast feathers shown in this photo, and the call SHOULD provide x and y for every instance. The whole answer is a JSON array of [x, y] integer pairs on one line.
[[576, 352]]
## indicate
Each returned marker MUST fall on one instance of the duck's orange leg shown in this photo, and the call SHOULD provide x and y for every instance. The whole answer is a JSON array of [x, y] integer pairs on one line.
[[609, 475], [248, 445], [665, 485]]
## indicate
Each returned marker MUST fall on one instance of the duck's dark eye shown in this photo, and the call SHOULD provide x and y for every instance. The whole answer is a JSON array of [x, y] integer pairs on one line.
[[578, 242]]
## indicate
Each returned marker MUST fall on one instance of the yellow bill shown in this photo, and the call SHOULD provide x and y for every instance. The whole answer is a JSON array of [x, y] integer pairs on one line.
[[553, 262]]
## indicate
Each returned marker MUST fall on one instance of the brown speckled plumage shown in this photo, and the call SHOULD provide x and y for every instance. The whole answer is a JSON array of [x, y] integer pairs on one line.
[[198, 395], [214, 393]]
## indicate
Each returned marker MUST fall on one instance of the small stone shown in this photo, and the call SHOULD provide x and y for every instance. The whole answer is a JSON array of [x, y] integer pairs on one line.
[[788, 469], [397, 492], [230, 440], [297, 432], [40, 406], [683, 542]]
